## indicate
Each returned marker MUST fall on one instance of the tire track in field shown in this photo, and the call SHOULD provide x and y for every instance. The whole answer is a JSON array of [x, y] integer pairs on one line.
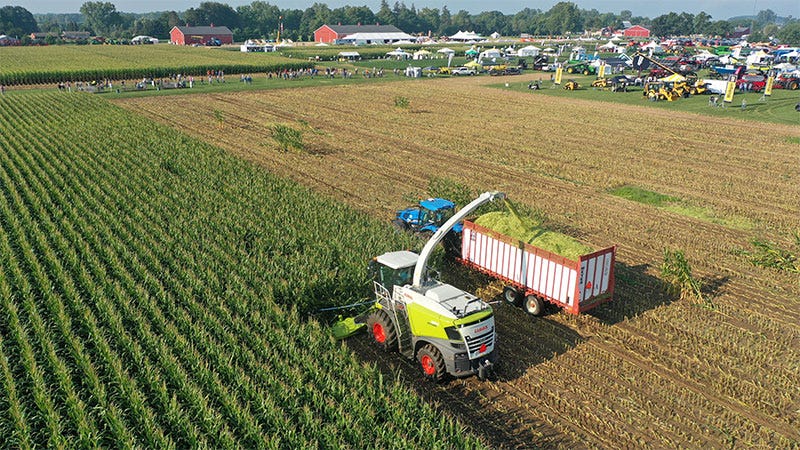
[[741, 410], [437, 156], [402, 170]]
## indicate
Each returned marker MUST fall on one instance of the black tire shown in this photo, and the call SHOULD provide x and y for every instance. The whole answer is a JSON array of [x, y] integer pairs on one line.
[[534, 305], [586, 72], [794, 85], [400, 225], [381, 329], [425, 235], [512, 296], [570, 70], [431, 363]]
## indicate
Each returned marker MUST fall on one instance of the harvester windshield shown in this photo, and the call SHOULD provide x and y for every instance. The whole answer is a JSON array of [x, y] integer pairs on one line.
[[393, 268]]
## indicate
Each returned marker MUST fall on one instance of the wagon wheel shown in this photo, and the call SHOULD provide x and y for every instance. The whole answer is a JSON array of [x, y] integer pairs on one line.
[[534, 305], [512, 296]]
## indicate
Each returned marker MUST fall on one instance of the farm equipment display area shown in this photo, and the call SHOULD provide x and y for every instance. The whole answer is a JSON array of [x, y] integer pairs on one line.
[[648, 369]]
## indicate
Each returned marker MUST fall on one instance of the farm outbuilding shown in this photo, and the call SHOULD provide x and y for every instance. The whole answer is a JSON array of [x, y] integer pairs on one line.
[[636, 31], [200, 35], [360, 34]]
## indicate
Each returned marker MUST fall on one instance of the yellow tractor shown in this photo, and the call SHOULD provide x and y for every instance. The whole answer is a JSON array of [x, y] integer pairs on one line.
[[601, 83], [656, 90], [699, 87], [680, 89], [572, 85]]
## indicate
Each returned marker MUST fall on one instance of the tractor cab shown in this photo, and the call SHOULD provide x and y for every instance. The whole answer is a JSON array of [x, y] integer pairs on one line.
[[428, 216]]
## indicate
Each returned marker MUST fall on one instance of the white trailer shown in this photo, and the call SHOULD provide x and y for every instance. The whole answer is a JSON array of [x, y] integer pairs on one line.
[[534, 275]]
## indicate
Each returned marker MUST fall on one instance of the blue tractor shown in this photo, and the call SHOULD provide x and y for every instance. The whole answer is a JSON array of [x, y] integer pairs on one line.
[[425, 218]]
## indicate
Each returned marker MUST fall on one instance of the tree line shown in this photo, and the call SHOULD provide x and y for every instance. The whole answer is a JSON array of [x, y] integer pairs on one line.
[[260, 19]]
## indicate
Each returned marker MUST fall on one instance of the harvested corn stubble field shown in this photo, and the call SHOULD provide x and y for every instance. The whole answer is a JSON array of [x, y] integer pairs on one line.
[[648, 369]]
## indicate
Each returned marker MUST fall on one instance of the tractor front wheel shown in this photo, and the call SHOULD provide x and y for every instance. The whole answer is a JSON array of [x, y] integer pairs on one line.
[[432, 364], [382, 330], [534, 305], [400, 225]]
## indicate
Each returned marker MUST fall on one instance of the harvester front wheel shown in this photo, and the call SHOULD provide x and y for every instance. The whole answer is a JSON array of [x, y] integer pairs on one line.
[[534, 305], [511, 296], [382, 330], [431, 363]]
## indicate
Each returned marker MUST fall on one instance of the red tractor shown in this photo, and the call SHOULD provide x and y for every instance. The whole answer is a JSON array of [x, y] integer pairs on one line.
[[789, 81]]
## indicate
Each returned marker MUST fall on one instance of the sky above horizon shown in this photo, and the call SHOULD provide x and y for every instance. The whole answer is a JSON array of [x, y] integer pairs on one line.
[[718, 9]]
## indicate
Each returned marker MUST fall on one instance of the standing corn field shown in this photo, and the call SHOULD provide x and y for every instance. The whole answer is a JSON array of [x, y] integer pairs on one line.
[[154, 292]]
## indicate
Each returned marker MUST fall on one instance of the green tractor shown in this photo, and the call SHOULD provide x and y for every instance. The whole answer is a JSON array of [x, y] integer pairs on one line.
[[582, 67]]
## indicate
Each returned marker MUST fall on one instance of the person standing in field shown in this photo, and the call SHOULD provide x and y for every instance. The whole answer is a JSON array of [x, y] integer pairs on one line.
[[2, 89]]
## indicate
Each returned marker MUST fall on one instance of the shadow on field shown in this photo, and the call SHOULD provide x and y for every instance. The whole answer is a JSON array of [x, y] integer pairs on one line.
[[526, 341], [468, 399], [637, 291]]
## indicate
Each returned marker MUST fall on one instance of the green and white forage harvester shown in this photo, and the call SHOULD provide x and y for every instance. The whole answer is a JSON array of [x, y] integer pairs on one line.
[[447, 330]]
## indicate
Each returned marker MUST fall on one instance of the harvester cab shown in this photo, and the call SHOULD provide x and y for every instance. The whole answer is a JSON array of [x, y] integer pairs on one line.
[[446, 330]]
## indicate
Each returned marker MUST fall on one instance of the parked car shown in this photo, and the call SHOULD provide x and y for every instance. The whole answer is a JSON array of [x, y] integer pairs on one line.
[[463, 71]]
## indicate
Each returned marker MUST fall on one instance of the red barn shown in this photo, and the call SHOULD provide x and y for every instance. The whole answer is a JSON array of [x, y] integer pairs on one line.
[[360, 34], [636, 31], [200, 35]]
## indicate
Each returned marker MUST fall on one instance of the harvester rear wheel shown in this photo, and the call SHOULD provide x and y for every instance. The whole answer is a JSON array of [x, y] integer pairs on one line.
[[534, 305], [382, 330], [431, 363], [512, 296]]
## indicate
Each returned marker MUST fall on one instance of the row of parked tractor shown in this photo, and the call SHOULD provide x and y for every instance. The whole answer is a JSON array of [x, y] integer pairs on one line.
[[677, 77]]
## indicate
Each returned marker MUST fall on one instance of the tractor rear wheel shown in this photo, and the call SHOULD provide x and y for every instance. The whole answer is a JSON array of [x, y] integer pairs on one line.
[[382, 330], [432, 364], [534, 305], [511, 296], [425, 235]]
